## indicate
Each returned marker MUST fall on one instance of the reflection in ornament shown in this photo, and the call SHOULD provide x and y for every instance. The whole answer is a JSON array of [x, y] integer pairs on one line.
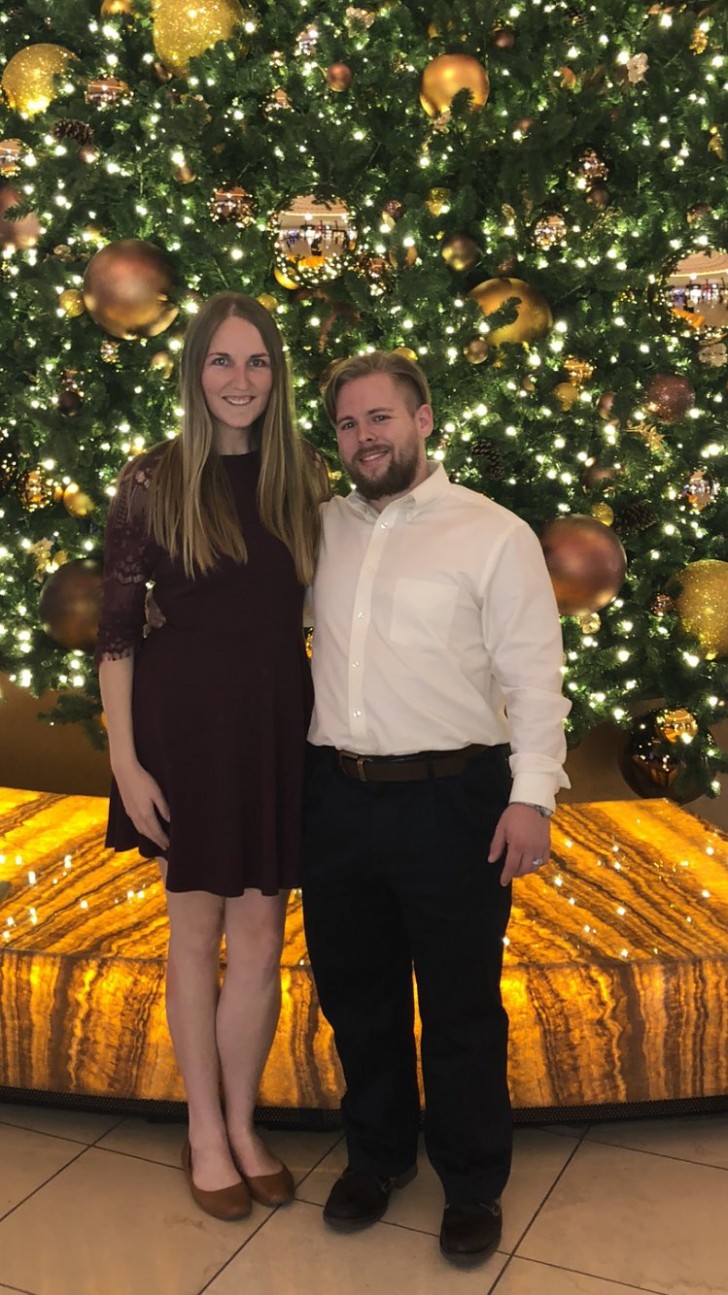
[[106, 91], [314, 239], [21, 233], [35, 490], [533, 313], [586, 562], [655, 762], [184, 29], [698, 292], [11, 152], [234, 204], [637, 68], [591, 167], [700, 489], [715, 354], [661, 605], [448, 75], [702, 604], [377, 271], [549, 231], [69, 604], [30, 77], [669, 397], [579, 370], [128, 288], [678, 725], [460, 252], [307, 40], [339, 77]]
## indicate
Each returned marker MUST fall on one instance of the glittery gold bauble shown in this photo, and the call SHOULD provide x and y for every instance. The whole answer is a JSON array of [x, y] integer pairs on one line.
[[669, 396], [128, 288], [69, 604], [339, 76], [699, 41], [313, 239], [460, 252], [661, 605], [162, 363], [590, 623], [11, 152], [675, 725], [586, 562], [591, 166], [105, 91], [702, 604], [476, 350], [29, 79], [436, 201], [71, 302], [77, 502], [603, 513], [109, 352], [233, 204], [579, 371], [446, 76], [113, 8], [35, 489], [268, 302], [377, 271], [184, 29], [533, 320], [549, 231], [566, 395], [21, 233], [278, 102]]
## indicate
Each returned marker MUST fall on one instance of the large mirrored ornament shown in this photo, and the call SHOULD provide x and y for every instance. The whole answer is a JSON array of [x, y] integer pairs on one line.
[[697, 291], [314, 239]]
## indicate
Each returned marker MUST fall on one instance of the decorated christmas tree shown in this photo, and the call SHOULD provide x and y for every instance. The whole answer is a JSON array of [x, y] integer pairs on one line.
[[530, 198]]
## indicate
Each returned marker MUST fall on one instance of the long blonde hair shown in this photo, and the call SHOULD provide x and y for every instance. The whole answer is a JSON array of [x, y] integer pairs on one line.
[[191, 509]]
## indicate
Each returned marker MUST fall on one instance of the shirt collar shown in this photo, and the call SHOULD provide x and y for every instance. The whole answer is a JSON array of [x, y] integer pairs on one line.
[[427, 492]]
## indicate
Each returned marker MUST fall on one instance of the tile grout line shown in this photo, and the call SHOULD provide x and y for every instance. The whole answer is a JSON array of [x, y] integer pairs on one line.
[[45, 1183], [580, 1272]]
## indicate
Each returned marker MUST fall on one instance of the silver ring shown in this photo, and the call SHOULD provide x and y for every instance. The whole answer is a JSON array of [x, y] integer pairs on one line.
[[536, 863]]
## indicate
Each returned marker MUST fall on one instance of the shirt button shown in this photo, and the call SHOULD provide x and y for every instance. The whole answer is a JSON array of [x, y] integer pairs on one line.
[[383, 525], [354, 665], [360, 616], [357, 714]]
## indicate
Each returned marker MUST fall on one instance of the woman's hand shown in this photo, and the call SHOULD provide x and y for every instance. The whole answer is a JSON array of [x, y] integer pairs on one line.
[[143, 802]]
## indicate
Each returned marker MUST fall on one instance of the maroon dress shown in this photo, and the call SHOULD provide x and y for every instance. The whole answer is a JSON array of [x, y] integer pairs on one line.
[[222, 694]]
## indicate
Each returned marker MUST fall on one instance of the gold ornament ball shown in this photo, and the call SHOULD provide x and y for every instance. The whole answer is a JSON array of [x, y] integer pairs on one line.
[[437, 200], [77, 502], [407, 352], [677, 724], [566, 395], [128, 287], [29, 79], [702, 605], [669, 397], [162, 363], [603, 513], [268, 302], [549, 231], [234, 204], [71, 303], [503, 37], [699, 489], [476, 350], [114, 8], [184, 29], [35, 490], [284, 280], [339, 76], [534, 317], [586, 562], [460, 252], [446, 76], [69, 604], [184, 174], [19, 234], [11, 153]]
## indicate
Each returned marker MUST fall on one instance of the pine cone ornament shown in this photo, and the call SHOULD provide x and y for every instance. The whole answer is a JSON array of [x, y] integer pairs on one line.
[[79, 131]]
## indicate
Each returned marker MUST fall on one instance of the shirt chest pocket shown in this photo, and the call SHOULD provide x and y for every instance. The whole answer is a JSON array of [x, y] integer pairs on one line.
[[422, 613]]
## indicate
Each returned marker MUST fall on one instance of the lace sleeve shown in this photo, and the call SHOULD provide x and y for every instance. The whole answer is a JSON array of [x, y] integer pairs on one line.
[[127, 565]]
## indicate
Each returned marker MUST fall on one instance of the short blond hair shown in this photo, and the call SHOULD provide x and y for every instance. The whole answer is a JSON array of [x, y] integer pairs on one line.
[[396, 366]]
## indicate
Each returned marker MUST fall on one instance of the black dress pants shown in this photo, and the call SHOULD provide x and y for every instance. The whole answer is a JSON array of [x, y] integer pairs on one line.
[[395, 876]]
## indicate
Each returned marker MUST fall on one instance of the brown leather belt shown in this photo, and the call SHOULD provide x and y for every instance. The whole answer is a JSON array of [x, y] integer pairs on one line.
[[419, 767]]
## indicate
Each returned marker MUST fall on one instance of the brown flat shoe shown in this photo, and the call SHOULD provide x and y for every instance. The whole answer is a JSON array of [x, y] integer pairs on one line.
[[227, 1203], [271, 1189]]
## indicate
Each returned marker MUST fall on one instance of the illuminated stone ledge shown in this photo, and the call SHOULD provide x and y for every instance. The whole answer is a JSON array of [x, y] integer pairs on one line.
[[616, 977]]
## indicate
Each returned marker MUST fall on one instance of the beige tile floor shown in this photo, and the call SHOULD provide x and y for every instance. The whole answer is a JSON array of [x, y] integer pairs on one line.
[[96, 1205]]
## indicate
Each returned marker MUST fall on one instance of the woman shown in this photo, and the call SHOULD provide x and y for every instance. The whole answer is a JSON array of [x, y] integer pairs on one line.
[[207, 718]]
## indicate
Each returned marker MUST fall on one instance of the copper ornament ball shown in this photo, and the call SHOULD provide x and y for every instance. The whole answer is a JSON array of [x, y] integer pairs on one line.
[[21, 233], [586, 562], [653, 764], [339, 76], [128, 289], [669, 397], [69, 605], [460, 252]]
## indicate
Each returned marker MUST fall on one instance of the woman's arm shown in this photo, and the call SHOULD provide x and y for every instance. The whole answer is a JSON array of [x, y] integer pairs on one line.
[[141, 795]]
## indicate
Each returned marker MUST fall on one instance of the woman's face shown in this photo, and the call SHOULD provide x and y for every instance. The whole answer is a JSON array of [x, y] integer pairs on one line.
[[236, 375]]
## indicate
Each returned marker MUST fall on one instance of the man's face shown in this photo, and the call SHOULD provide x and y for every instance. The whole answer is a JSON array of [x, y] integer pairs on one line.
[[381, 438]]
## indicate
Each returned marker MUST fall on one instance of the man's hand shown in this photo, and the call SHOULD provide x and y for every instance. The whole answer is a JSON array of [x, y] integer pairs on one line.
[[526, 836], [155, 618], [143, 802]]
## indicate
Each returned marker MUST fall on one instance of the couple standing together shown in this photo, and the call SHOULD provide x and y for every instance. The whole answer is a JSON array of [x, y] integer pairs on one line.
[[435, 750]]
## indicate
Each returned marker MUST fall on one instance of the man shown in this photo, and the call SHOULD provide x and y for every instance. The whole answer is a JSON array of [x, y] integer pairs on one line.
[[436, 752]]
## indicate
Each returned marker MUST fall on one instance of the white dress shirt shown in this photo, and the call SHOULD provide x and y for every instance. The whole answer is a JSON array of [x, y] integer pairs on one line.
[[437, 626]]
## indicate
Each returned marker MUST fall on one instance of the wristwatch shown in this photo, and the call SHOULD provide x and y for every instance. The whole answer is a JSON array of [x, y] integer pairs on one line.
[[542, 810]]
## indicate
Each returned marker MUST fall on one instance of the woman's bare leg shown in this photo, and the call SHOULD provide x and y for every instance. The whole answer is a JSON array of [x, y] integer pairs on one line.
[[247, 1016]]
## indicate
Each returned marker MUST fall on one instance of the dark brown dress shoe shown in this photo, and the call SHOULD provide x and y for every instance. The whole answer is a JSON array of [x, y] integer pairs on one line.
[[271, 1189], [356, 1200], [227, 1203], [470, 1233]]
